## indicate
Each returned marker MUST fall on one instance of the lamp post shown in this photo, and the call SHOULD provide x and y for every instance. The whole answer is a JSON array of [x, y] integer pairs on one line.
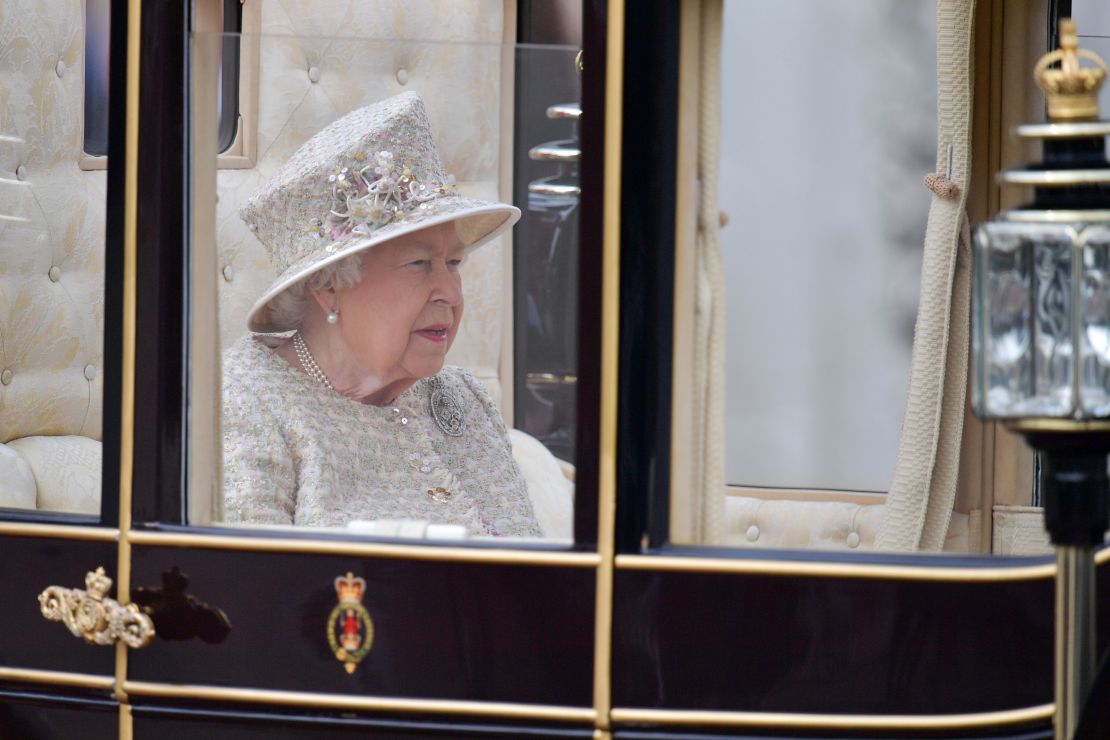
[[1041, 340]]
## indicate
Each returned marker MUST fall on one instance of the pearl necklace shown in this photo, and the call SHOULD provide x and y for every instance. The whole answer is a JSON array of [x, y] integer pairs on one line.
[[309, 363], [445, 409]]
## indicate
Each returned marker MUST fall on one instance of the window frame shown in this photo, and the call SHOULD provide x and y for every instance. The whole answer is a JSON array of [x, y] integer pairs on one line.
[[179, 458], [242, 78]]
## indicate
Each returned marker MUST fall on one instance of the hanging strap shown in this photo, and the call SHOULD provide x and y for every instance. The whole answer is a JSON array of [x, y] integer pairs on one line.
[[919, 505], [709, 318]]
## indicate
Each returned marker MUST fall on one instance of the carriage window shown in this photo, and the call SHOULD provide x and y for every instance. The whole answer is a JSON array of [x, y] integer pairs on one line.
[[224, 14], [823, 216], [96, 77], [545, 259], [382, 352], [816, 387], [52, 223]]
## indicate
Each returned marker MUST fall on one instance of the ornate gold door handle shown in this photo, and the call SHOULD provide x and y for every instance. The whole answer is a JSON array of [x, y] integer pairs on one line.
[[90, 614]]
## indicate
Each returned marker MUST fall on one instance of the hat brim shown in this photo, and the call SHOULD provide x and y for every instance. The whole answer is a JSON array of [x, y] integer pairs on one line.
[[477, 222]]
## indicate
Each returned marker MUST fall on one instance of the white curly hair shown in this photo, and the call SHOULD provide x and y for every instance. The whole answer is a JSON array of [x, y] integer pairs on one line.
[[289, 307]]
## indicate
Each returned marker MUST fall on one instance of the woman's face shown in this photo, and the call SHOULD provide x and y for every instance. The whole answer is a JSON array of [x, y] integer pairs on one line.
[[402, 317]]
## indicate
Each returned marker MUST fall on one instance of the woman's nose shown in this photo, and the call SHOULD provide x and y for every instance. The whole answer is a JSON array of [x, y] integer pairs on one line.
[[448, 285]]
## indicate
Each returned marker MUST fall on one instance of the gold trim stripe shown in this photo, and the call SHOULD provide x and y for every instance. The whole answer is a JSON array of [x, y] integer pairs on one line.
[[360, 703], [974, 574], [835, 721], [1068, 426], [58, 531], [504, 556], [126, 725], [610, 356], [57, 678], [127, 364]]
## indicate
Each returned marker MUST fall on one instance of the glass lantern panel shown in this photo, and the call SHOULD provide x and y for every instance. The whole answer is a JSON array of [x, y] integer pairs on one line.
[[1094, 347], [1023, 307]]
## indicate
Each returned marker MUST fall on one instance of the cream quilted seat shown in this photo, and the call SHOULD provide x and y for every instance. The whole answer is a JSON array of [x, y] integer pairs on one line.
[[821, 525], [51, 266], [315, 67]]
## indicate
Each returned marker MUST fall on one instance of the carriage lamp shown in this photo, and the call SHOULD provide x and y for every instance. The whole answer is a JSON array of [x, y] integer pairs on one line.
[[1041, 339]]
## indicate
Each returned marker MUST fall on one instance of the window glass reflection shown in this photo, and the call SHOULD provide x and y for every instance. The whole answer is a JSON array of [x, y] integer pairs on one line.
[[546, 257]]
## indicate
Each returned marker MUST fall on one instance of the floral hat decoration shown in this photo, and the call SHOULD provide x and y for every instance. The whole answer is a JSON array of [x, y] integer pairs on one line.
[[371, 176]]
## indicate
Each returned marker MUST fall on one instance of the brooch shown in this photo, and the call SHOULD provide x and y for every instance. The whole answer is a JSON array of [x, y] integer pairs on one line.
[[446, 410]]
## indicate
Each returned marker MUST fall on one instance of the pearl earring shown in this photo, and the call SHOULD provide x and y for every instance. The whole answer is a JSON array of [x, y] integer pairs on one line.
[[333, 317]]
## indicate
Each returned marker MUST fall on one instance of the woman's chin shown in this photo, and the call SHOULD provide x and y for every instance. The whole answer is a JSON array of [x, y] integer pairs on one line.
[[425, 359], [428, 367]]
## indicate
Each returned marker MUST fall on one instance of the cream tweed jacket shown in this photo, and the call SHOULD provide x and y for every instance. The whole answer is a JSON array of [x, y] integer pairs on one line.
[[298, 453]]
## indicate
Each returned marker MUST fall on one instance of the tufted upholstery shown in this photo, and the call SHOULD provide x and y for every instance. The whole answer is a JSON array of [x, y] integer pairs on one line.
[[66, 471], [757, 522], [820, 525], [51, 264]]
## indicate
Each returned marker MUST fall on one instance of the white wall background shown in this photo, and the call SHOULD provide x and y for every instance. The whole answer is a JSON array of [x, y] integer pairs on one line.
[[828, 125]]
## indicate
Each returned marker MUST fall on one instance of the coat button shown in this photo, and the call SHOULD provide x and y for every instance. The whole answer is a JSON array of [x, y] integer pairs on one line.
[[853, 539], [402, 76], [21, 172], [314, 74], [228, 272], [752, 534], [60, 68], [90, 372], [55, 274], [6, 376]]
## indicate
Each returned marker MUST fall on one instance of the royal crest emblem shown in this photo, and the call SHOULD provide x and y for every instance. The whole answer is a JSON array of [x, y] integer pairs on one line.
[[350, 629]]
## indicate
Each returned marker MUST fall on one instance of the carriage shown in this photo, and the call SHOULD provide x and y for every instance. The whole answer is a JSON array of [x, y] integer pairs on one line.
[[748, 530]]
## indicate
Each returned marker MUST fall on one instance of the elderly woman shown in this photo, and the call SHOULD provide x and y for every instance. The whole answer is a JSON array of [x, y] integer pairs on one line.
[[354, 416]]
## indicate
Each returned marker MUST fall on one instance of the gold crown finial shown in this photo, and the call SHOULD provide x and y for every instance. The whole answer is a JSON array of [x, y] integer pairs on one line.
[[349, 588], [1072, 91], [97, 583]]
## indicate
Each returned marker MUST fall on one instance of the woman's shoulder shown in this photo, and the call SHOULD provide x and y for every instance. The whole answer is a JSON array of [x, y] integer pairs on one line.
[[464, 384], [249, 357], [461, 379], [250, 371]]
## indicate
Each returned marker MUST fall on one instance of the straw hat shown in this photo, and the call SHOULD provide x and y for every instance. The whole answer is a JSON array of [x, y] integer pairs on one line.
[[371, 176]]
